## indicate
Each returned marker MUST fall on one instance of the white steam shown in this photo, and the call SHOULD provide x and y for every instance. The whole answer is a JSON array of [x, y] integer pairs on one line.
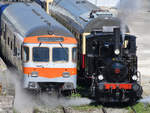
[[127, 9], [54, 101], [25, 102], [145, 100]]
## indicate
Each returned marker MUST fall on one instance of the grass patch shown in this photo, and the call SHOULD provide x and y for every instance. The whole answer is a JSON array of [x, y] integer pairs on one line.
[[80, 92], [76, 95], [140, 108], [83, 91]]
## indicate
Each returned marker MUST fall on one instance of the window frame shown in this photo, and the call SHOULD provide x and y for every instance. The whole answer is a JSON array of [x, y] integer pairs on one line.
[[41, 61], [72, 54], [23, 55], [61, 61]]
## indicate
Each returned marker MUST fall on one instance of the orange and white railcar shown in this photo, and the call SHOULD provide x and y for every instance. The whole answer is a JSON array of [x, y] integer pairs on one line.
[[50, 60], [38, 46]]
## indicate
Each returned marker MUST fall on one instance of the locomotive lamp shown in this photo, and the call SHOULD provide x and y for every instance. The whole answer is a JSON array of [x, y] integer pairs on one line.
[[134, 77], [100, 77], [117, 52]]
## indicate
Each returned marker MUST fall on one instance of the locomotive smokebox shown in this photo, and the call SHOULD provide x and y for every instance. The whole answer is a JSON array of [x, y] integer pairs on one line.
[[117, 40]]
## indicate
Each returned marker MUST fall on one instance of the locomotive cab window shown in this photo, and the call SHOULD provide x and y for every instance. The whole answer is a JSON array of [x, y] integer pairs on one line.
[[74, 54], [25, 54], [60, 54], [40, 54]]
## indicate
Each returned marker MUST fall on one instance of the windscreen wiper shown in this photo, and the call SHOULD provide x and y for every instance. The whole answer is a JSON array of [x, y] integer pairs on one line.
[[63, 48]]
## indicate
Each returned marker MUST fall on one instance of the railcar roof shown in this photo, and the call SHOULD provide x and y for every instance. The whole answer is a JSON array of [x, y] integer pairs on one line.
[[29, 19], [78, 11], [77, 8]]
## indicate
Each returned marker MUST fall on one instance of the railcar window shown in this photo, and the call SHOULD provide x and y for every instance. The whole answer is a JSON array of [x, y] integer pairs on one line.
[[26, 54], [60, 54], [40, 54], [74, 54]]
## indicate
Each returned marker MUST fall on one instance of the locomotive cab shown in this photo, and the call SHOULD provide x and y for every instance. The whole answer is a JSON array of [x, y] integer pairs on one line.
[[111, 60]]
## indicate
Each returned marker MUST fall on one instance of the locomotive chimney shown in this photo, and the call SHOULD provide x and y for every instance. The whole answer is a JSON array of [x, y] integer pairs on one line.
[[117, 40]]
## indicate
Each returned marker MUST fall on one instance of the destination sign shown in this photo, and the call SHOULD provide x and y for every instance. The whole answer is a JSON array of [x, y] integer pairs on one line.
[[50, 39]]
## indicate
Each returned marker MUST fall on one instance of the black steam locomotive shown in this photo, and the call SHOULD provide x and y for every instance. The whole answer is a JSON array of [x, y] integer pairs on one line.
[[112, 62]]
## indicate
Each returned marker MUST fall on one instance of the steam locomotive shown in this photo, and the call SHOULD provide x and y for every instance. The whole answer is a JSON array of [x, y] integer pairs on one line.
[[106, 55], [112, 62]]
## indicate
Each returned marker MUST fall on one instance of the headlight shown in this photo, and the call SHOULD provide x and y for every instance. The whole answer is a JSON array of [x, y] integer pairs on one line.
[[134, 77], [100, 77], [34, 74], [117, 51], [66, 74]]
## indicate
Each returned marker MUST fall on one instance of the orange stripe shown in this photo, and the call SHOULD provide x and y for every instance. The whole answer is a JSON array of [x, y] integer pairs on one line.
[[50, 72], [34, 39]]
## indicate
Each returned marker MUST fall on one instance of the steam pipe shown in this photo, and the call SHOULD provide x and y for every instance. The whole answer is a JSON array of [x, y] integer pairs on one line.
[[117, 41]]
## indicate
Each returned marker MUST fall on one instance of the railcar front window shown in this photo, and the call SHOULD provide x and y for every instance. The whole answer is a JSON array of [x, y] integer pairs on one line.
[[74, 54], [60, 54], [25, 54], [40, 54]]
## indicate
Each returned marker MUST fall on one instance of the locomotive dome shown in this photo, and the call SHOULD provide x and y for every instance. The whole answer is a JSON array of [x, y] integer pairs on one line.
[[99, 22]]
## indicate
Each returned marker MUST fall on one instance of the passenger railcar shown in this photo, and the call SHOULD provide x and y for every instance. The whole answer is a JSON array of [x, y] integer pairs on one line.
[[107, 55], [38, 46]]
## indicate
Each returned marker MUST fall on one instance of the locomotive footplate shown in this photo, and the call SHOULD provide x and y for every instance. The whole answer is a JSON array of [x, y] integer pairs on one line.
[[118, 92]]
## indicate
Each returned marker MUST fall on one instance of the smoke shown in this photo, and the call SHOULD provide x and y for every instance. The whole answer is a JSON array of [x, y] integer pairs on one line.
[[26, 102], [145, 100], [54, 101], [127, 9]]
